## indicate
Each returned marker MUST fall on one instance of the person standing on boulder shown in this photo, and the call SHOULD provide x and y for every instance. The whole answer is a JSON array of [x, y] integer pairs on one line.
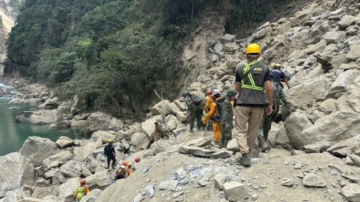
[[109, 151], [250, 81], [279, 75], [265, 127], [195, 108], [227, 117]]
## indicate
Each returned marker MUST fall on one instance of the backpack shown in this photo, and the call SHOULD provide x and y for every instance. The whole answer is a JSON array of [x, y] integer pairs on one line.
[[80, 192], [219, 104], [197, 99]]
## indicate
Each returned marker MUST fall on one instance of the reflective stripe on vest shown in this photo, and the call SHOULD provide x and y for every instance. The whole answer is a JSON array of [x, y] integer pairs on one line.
[[251, 79]]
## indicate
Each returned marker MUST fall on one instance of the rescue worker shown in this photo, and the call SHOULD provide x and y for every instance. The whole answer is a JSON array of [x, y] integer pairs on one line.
[[109, 152], [120, 173], [129, 170], [279, 75], [227, 117], [209, 101], [216, 123], [251, 78], [194, 106], [81, 191], [279, 99]]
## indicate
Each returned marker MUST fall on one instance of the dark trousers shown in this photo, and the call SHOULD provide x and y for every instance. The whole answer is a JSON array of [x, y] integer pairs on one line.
[[109, 158]]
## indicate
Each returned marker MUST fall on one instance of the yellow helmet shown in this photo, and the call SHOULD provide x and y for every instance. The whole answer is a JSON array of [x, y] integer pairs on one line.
[[274, 65], [110, 141], [253, 49]]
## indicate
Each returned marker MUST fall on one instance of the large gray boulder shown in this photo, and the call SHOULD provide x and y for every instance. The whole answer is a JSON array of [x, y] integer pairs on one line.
[[351, 192], [94, 194], [342, 82], [51, 103], [140, 141], [345, 147], [317, 31], [354, 53], [228, 38], [308, 91], [16, 171], [37, 149], [294, 125], [235, 191], [86, 149], [37, 117], [346, 21], [116, 124], [98, 121], [57, 160], [79, 103], [99, 180], [334, 37], [105, 136], [64, 141], [15, 195], [333, 128], [74, 168], [67, 189]]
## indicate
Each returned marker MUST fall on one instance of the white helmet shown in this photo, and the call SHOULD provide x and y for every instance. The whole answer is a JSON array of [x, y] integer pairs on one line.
[[216, 92]]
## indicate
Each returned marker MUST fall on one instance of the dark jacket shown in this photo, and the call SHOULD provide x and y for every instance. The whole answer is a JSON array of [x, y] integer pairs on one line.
[[109, 150]]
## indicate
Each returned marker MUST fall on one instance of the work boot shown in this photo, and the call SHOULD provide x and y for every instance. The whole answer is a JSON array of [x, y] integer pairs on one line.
[[245, 160], [262, 144]]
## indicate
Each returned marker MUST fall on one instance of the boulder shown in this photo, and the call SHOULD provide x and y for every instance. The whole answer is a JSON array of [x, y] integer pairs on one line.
[[74, 168], [86, 149], [67, 189], [196, 151], [317, 31], [308, 91], [281, 137], [79, 104], [294, 125], [100, 180], [94, 194], [228, 38], [63, 108], [312, 180], [57, 160], [42, 192], [333, 128], [19, 101], [37, 149], [64, 141], [104, 136], [38, 117], [219, 180], [161, 108], [116, 124], [328, 106], [14, 195], [231, 47], [98, 121], [181, 105], [148, 127], [17, 170], [78, 123], [351, 192], [51, 103], [233, 146], [354, 53], [346, 21], [351, 65], [170, 185], [342, 82], [140, 141], [318, 47], [334, 37], [235, 191]]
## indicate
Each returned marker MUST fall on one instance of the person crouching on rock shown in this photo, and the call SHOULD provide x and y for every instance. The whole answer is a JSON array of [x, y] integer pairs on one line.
[[81, 191], [120, 173], [109, 151]]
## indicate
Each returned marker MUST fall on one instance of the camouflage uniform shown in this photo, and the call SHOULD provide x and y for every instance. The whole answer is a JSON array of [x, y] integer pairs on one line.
[[280, 98], [226, 122], [195, 112]]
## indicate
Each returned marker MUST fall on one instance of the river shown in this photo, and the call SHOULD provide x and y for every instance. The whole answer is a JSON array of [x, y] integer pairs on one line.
[[13, 134]]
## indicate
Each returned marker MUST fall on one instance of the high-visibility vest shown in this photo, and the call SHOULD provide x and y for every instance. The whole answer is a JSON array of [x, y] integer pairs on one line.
[[253, 86]]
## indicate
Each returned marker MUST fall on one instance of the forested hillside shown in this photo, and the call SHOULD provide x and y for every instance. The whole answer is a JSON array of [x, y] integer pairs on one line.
[[115, 51]]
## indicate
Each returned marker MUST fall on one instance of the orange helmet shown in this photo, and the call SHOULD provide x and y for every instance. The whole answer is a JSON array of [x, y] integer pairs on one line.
[[82, 182], [125, 163], [209, 92], [137, 159]]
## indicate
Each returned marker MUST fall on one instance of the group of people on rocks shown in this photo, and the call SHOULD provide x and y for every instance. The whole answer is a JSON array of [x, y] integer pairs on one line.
[[255, 102]]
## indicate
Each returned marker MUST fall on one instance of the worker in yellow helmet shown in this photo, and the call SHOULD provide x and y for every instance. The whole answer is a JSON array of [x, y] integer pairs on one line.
[[250, 82], [278, 75]]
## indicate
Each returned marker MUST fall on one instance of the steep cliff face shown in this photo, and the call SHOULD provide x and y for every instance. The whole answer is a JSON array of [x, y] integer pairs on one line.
[[9, 9]]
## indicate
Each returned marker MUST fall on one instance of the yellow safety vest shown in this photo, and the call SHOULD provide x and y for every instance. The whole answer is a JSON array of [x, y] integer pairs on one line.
[[251, 79]]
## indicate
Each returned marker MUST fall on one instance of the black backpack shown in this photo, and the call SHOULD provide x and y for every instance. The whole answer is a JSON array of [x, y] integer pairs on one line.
[[219, 104]]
